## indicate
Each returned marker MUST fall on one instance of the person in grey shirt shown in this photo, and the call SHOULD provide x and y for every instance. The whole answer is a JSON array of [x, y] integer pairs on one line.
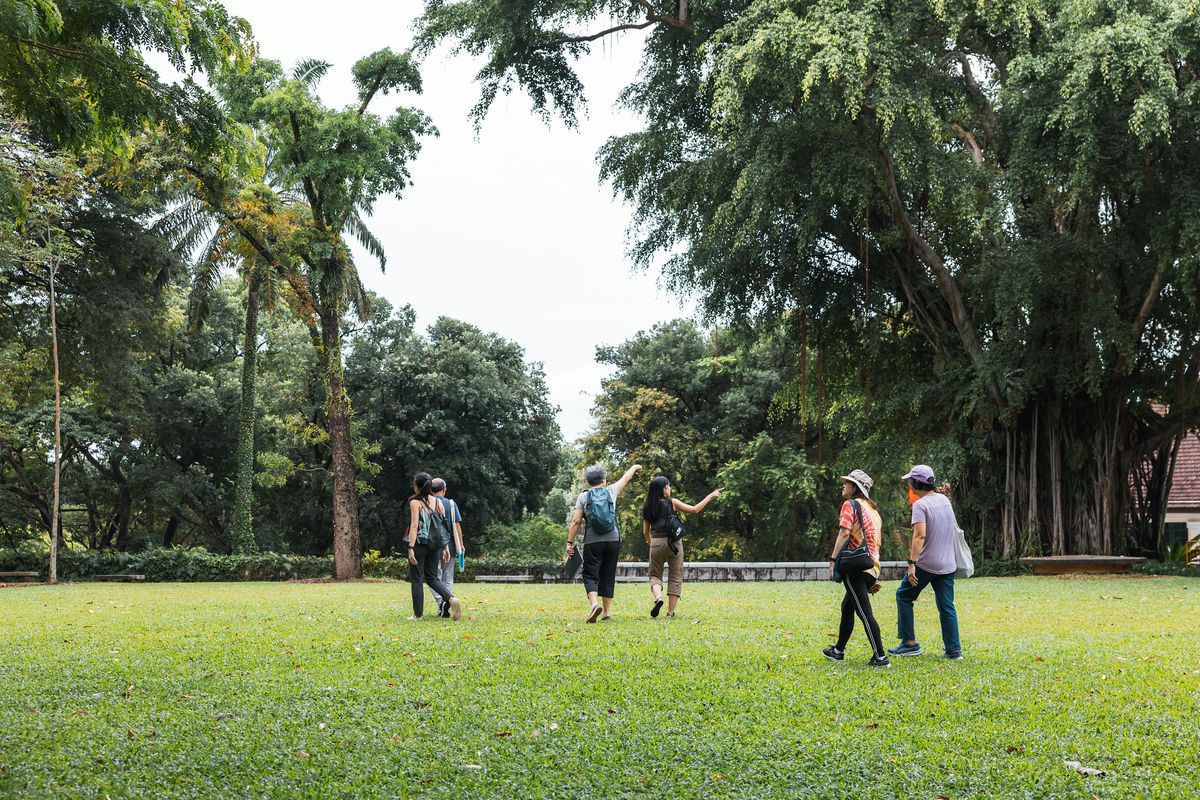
[[930, 562], [601, 547], [446, 568]]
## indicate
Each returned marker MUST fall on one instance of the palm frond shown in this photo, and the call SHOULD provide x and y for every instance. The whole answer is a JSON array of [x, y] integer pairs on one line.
[[357, 294], [309, 71], [184, 226], [205, 278], [358, 228]]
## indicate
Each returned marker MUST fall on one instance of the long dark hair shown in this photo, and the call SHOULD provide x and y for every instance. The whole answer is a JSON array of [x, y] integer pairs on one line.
[[653, 510], [423, 481]]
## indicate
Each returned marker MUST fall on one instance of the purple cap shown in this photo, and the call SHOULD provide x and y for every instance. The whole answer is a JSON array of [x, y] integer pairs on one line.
[[920, 473]]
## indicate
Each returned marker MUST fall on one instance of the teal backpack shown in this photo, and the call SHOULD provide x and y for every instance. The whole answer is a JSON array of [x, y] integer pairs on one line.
[[600, 511]]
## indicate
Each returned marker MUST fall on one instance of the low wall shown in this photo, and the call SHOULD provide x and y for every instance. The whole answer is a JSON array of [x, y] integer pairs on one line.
[[634, 571]]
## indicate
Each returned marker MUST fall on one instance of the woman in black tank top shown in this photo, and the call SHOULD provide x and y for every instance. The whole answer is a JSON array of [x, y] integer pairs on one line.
[[658, 520]]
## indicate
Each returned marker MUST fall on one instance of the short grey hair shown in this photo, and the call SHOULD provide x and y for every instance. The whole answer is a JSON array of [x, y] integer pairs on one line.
[[595, 475]]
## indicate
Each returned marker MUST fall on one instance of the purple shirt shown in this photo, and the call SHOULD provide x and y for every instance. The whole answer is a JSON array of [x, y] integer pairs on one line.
[[937, 556]]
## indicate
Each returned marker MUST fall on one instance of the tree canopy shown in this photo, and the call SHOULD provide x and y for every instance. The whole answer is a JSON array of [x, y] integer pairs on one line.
[[1002, 193]]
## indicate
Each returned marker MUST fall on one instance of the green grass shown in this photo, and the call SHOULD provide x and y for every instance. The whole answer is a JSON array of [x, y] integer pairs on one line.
[[320, 690]]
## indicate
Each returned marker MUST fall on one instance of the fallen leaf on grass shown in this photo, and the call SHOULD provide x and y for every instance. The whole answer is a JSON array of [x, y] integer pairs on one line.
[[1014, 748], [553, 726], [1082, 770], [872, 726], [472, 766], [321, 726], [468, 636], [501, 734], [302, 754], [451, 666], [129, 734], [718, 777], [394, 739]]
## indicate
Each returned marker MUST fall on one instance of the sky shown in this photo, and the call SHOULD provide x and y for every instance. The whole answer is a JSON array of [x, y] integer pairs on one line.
[[511, 229]]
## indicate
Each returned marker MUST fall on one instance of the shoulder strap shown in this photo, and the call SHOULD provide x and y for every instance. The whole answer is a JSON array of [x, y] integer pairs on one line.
[[859, 515]]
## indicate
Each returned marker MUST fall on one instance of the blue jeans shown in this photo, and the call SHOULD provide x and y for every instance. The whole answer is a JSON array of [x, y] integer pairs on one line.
[[943, 595]]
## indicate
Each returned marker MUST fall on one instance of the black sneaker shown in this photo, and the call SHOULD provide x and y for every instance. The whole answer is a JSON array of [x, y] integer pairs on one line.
[[903, 649], [444, 610], [879, 661], [654, 609], [833, 654], [595, 615], [954, 655]]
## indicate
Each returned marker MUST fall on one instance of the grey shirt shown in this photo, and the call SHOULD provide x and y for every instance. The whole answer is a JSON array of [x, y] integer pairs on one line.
[[588, 535], [941, 526]]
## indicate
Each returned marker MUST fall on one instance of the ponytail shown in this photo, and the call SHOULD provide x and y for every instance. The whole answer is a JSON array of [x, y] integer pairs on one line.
[[423, 483]]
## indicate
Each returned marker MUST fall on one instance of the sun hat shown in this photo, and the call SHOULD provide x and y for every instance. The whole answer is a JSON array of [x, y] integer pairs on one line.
[[862, 480], [920, 473]]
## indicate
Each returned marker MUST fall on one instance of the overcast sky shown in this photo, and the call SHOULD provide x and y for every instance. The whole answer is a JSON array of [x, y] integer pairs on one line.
[[509, 231]]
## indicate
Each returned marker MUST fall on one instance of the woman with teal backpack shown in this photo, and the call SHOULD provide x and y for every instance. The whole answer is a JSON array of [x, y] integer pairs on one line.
[[427, 544]]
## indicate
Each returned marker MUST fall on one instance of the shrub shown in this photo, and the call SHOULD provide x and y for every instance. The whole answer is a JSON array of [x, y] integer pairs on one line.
[[182, 565]]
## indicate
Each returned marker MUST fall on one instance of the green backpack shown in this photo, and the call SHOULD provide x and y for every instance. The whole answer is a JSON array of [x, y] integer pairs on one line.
[[433, 528], [600, 511]]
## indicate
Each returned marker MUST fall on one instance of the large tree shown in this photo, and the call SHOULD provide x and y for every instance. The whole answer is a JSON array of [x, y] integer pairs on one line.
[[1014, 185], [327, 167], [78, 71]]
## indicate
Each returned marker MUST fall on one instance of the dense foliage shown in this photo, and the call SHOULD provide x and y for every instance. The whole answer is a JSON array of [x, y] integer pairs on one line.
[[992, 206]]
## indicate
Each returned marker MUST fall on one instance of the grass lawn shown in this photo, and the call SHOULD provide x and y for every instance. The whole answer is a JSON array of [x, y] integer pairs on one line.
[[322, 691]]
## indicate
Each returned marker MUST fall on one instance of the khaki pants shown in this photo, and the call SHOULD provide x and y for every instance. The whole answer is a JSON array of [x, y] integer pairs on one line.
[[660, 553]]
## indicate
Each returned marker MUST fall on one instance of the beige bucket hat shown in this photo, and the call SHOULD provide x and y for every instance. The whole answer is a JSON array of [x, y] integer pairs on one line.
[[862, 480]]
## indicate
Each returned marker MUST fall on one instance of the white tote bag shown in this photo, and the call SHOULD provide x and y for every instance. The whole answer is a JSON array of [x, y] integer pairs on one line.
[[964, 564]]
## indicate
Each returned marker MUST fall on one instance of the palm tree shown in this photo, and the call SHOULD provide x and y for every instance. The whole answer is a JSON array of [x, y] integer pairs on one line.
[[211, 245]]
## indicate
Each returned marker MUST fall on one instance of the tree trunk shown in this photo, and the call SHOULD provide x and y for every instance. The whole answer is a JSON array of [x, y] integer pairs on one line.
[[347, 551], [1064, 488], [124, 511], [242, 535], [55, 516], [170, 531]]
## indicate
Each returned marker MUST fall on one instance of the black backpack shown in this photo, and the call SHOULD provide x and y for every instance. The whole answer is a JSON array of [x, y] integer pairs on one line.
[[439, 531]]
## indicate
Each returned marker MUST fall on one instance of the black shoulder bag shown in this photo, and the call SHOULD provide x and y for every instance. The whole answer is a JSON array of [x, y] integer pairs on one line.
[[675, 529], [854, 559]]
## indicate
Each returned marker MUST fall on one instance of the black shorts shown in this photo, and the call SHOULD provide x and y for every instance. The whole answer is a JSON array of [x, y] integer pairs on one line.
[[600, 567]]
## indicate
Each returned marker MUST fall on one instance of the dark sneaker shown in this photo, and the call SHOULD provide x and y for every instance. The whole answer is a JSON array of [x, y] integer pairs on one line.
[[833, 654], [606, 618], [879, 661], [657, 607], [444, 610], [954, 655], [595, 615], [906, 649]]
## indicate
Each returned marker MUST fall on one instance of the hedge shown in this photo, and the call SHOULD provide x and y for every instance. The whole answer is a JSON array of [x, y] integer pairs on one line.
[[178, 564]]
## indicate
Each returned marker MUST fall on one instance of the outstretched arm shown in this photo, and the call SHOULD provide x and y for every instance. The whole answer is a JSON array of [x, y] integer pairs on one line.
[[627, 477], [679, 505]]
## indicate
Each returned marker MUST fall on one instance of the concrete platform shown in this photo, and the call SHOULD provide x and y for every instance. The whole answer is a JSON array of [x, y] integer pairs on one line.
[[1082, 565]]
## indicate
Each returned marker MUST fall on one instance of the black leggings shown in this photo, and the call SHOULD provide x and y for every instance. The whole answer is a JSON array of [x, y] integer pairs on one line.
[[600, 567], [857, 602], [426, 570]]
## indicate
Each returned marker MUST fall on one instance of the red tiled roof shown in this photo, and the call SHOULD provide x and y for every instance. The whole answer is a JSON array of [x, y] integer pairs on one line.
[[1185, 483]]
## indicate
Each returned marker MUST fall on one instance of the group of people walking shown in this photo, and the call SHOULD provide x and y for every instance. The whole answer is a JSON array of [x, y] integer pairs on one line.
[[435, 542], [931, 561]]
